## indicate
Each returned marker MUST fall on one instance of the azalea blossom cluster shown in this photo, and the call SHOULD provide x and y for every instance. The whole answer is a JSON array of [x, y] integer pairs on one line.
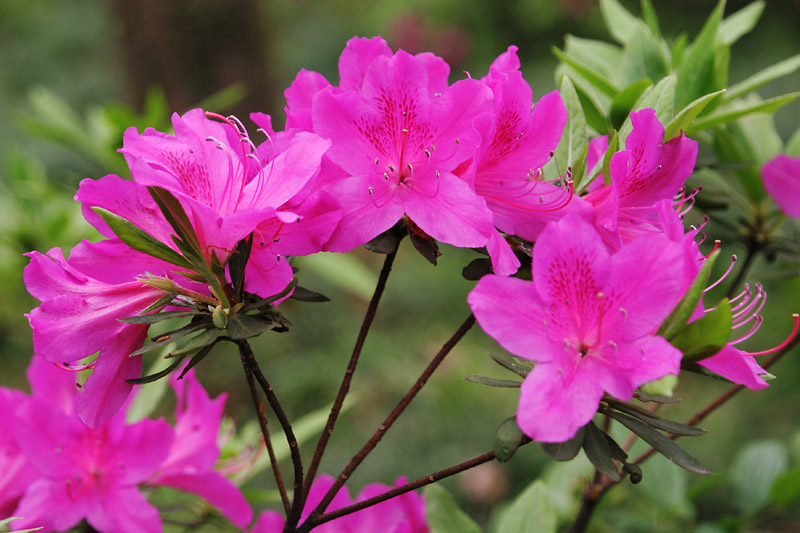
[[394, 143]]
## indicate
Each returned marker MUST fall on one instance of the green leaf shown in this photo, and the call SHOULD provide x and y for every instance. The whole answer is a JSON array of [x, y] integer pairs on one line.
[[644, 56], [344, 271], [157, 317], [661, 98], [678, 317], [662, 444], [145, 402], [574, 138], [531, 512], [610, 151], [595, 118], [598, 451], [507, 438], [773, 72], [302, 294], [622, 104], [517, 369], [443, 514], [620, 23], [670, 426], [567, 450], [140, 240], [492, 382], [695, 74], [596, 79], [740, 23], [170, 336], [786, 488], [754, 469], [706, 336], [650, 17], [684, 118], [243, 326], [173, 211], [729, 115], [198, 342], [196, 358], [6, 521], [156, 376]]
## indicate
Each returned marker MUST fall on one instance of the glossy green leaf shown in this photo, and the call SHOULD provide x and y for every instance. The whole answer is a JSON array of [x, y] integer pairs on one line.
[[785, 490], [644, 56], [740, 23], [531, 512], [624, 101], [302, 294], [707, 335], [620, 23], [507, 439], [140, 240], [664, 445], [678, 317], [683, 120], [567, 450], [773, 72], [242, 326], [753, 471], [696, 68], [729, 115], [598, 451], [443, 514], [574, 138], [597, 80], [492, 382], [595, 118], [670, 426], [660, 97]]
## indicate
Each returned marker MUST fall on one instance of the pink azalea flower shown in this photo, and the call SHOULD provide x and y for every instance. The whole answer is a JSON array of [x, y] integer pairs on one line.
[[194, 452], [588, 319], [403, 514], [398, 133], [646, 172], [507, 172], [782, 181], [95, 473], [16, 472]]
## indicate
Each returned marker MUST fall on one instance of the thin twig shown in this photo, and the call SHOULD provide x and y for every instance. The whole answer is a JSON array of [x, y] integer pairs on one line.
[[297, 496], [393, 416], [408, 487], [369, 316], [262, 420]]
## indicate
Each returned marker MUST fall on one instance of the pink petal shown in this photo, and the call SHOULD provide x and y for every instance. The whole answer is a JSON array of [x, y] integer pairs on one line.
[[214, 488], [299, 97], [356, 59], [737, 366], [630, 365], [47, 505], [125, 510], [782, 181], [504, 262]]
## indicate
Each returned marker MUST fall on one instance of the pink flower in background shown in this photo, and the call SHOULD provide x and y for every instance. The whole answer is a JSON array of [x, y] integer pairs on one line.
[[507, 170], [782, 181], [403, 514], [398, 131], [16, 472], [646, 172], [588, 319], [80, 472]]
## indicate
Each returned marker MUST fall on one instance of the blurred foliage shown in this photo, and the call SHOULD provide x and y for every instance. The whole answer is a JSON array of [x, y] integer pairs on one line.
[[62, 85]]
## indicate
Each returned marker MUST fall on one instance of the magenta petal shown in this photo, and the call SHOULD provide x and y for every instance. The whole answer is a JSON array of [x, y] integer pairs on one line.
[[318, 217], [268, 522], [551, 407], [267, 273], [140, 448], [782, 181], [510, 310], [16, 472], [737, 366], [52, 384], [125, 510], [630, 365], [112, 261], [504, 262], [358, 55], [299, 98], [214, 488], [508, 61], [46, 504]]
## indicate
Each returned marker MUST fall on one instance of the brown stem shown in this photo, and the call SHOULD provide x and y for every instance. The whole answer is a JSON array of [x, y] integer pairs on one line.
[[348, 375], [262, 420], [393, 416], [591, 498], [313, 522], [297, 496]]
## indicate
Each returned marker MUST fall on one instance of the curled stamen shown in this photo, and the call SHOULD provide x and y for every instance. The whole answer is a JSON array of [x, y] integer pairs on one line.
[[725, 275], [756, 324], [760, 296], [796, 319], [717, 242], [744, 294]]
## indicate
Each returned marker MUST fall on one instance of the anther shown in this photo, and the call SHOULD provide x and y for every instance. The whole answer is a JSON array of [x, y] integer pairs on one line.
[[458, 141]]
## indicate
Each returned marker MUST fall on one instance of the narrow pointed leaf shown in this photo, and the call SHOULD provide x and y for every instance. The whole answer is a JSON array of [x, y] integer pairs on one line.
[[275, 297], [696, 68], [683, 120], [140, 240], [624, 101], [619, 21], [170, 336], [664, 445], [641, 396], [567, 450], [161, 302], [507, 438], [575, 137], [492, 382], [199, 356], [660, 97], [476, 269], [157, 317], [650, 17], [237, 263], [158, 375], [683, 311], [773, 72], [740, 23], [723, 117], [201, 341], [173, 211], [597, 80], [613, 144], [599, 453], [304, 295], [517, 369], [243, 326], [670, 426], [706, 336]]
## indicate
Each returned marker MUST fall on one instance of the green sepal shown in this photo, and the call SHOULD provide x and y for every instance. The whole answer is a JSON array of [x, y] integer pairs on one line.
[[219, 317], [507, 439], [678, 317], [706, 336], [139, 240]]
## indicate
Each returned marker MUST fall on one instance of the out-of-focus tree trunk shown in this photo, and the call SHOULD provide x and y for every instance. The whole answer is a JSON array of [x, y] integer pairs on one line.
[[193, 48]]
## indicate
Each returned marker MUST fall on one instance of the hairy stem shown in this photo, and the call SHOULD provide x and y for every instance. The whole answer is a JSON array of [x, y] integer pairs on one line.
[[246, 352], [393, 416], [262, 420], [369, 316]]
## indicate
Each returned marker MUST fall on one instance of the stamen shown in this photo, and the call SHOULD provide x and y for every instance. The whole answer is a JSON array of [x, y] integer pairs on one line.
[[71, 368], [796, 319], [725, 275], [756, 324], [716, 245]]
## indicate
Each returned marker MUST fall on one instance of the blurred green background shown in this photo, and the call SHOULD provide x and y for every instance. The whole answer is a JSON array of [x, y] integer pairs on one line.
[[96, 67]]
